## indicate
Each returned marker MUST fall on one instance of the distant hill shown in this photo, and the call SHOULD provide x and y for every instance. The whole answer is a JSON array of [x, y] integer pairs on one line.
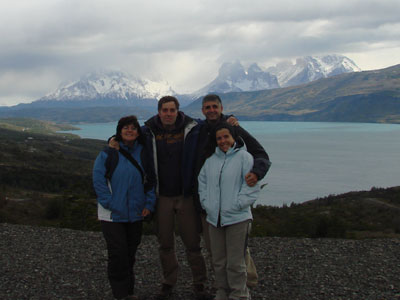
[[72, 115], [369, 96]]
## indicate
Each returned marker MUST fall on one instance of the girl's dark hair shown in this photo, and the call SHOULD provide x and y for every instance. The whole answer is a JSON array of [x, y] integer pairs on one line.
[[212, 142], [128, 120]]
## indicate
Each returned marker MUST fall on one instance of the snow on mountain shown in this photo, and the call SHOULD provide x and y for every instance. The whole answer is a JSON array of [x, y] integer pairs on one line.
[[233, 77], [114, 86], [310, 68], [110, 85]]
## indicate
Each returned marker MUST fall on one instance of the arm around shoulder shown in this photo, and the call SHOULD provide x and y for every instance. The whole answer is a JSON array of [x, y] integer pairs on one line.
[[247, 195], [262, 162]]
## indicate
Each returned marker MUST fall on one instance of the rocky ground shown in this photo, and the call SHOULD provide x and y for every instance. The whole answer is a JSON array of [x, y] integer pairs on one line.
[[49, 263]]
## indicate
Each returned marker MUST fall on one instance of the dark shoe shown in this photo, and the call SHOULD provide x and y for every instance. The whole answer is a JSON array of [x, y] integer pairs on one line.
[[165, 292], [200, 292]]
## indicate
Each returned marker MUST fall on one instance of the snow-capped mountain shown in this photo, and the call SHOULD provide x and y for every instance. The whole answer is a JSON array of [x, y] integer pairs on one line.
[[233, 77], [110, 85], [109, 88], [310, 68]]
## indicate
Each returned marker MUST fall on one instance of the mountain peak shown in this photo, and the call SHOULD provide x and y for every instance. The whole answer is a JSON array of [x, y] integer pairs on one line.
[[310, 68], [109, 84], [233, 77], [231, 71]]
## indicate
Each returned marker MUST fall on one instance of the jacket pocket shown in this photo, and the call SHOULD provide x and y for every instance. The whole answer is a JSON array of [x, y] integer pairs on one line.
[[119, 211]]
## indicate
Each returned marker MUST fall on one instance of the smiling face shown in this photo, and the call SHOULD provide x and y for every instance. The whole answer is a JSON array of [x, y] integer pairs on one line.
[[224, 139], [129, 134], [168, 113], [212, 110]]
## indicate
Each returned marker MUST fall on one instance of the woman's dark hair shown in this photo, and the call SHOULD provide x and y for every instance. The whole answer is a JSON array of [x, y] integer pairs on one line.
[[212, 142], [128, 120]]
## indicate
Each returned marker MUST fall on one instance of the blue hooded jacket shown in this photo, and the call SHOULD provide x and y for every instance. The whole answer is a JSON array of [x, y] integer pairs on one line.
[[122, 199]]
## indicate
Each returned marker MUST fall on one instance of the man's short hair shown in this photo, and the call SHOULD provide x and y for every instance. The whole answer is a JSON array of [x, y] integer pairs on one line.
[[211, 97], [166, 99]]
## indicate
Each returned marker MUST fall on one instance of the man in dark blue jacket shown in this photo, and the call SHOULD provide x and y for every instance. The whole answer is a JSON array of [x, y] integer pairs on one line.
[[173, 138]]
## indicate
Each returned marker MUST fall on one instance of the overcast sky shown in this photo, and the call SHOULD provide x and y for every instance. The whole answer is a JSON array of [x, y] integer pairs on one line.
[[46, 42]]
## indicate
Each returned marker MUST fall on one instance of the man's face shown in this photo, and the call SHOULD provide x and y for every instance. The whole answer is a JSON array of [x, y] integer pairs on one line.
[[168, 113], [212, 110]]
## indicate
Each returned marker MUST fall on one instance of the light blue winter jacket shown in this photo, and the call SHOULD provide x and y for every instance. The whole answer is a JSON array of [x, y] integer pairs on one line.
[[222, 188], [123, 199]]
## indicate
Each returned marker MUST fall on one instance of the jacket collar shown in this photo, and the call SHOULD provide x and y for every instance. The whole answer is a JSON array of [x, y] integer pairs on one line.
[[129, 148]]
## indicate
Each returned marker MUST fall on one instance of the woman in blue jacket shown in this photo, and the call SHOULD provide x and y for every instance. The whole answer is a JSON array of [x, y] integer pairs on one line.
[[124, 198], [227, 198]]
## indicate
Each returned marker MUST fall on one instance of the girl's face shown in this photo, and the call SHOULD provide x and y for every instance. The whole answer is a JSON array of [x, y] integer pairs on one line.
[[129, 134], [224, 139]]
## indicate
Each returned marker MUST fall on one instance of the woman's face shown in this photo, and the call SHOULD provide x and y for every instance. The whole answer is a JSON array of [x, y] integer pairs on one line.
[[129, 134], [224, 139]]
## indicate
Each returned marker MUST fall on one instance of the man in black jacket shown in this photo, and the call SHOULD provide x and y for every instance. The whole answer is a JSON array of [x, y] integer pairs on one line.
[[212, 109]]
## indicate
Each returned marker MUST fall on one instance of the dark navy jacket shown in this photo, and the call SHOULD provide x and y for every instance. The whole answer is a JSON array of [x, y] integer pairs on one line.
[[174, 153]]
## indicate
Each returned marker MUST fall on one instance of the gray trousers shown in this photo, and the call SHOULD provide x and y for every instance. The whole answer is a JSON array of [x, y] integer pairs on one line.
[[252, 276], [183, 211], [228, 247]]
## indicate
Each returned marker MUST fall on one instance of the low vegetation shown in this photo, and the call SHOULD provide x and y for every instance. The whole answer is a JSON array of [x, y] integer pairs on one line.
[[45, 179], [365, 214]]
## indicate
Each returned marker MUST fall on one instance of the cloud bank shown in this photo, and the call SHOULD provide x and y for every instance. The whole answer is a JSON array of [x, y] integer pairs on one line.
[[46, 42]]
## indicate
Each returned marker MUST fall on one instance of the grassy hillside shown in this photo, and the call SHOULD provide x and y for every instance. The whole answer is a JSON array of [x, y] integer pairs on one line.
[[365, 214], [43, 173], [45, 179]]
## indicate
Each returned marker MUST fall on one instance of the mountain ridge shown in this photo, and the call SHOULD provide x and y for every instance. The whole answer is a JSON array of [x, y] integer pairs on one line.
[[110, 87], [368, 96], [234, 77], [365, 96]]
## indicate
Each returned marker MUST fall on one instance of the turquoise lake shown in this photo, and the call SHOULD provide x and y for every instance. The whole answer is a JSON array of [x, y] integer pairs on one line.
[[312, 159]]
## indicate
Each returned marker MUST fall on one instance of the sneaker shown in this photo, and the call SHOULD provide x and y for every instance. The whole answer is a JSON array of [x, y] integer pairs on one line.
[[200, 292], [165, 292]]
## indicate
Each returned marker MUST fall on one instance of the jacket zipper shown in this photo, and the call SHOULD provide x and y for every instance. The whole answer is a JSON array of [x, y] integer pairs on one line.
[[220, 193]]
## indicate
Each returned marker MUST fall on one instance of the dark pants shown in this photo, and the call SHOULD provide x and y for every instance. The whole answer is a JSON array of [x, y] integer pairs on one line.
[[122, 241], [182, 209]]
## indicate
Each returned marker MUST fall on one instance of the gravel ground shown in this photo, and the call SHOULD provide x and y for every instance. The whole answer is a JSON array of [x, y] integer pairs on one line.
[[49, 263]]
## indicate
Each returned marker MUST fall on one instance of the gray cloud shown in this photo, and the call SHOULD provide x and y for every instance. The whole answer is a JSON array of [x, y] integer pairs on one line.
[[183, 42]]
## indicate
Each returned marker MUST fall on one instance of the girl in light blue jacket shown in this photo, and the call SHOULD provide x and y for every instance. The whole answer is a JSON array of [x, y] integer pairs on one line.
[[227, 200]]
